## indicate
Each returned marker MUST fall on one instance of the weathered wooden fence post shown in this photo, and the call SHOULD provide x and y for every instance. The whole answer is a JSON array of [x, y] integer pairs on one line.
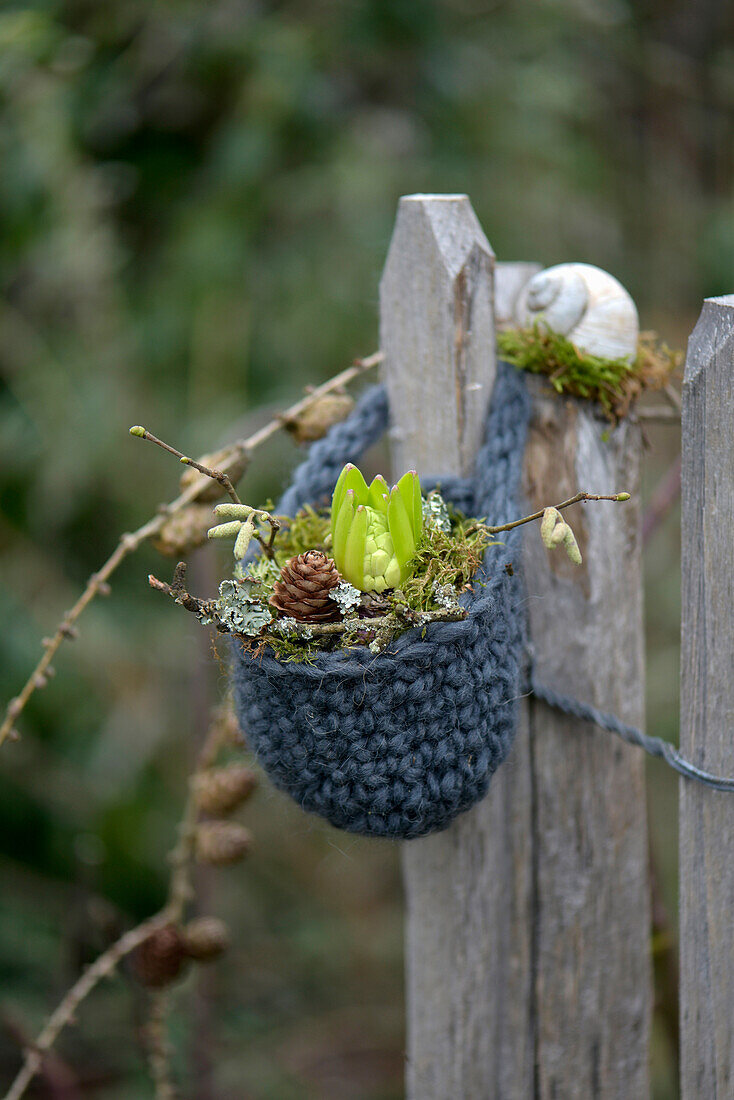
[[528, 920], [707, 707]]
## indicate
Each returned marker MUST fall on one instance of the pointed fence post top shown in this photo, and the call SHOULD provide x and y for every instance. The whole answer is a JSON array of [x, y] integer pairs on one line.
[[715, 327], [437, 333], [447, 221]]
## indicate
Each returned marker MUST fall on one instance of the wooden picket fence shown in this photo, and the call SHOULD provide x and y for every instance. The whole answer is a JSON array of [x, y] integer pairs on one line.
[[528, 921]]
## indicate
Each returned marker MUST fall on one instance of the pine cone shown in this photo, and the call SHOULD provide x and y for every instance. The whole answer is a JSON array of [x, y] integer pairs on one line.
[[205, 938], [159, 959], [304, 586], [219, 791]]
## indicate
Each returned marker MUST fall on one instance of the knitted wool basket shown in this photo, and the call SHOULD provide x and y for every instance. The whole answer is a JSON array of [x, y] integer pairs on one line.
[[397, 744]]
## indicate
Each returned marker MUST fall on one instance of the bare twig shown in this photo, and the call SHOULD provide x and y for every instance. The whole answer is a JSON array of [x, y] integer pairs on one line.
[[209, 471], [179, 894], [63, 1015], [129, 543], [664, 496], [159, 1047], [579, 498], [673, 396], [661, 413]]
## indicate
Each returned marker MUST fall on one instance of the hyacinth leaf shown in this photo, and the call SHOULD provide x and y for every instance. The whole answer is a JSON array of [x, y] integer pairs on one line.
[[379, 491], [401, 528], [339, 490], [349, 478], [340, 524], [353, 557], [410, 490]]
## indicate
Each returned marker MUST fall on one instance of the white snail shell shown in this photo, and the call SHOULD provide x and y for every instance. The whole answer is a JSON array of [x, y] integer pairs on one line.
[[584, 303]]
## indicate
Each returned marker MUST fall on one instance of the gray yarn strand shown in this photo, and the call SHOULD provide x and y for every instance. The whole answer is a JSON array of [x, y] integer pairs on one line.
[[654, 746]]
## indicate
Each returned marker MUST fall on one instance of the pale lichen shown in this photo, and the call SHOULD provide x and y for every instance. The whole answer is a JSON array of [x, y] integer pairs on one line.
[[346, 597]]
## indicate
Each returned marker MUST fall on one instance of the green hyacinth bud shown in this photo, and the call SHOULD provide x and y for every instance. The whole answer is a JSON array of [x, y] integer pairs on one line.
[[375, 529]]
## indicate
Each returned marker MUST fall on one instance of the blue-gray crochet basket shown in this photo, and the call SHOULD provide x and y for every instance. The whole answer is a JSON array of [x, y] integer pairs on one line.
[[397, 744]]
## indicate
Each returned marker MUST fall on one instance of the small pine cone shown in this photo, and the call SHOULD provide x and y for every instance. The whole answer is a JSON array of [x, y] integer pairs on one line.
[[374, 604], [184, 531], [205, 938], [219, 791], [159, 959], [304, 586], [221, 843]]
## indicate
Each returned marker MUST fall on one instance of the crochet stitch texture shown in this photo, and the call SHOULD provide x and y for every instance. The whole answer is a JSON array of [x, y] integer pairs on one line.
[[397, 744]]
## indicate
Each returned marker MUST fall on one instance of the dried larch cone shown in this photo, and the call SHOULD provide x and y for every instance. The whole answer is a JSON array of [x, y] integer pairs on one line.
[[316, 419], [159, 959], [219, 791], [304, 586], [222, 843], [184, 531], [228, 732], [205, 938]]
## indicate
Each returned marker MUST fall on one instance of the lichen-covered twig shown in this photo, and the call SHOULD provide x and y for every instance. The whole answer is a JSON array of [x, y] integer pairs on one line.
[[129, 543], [178, 592], [305, 630]]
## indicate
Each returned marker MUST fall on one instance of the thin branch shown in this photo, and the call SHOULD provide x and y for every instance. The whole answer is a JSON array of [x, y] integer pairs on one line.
[[159, 1047], [64, 1014], [566, 504], [673, 396], [129, 543], [664, 496], [179, 895], [216, 475], [660, 413]]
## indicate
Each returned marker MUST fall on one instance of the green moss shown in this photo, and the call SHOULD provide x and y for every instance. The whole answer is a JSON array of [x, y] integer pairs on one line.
[[613, 383], [308, 530], [446, 560]]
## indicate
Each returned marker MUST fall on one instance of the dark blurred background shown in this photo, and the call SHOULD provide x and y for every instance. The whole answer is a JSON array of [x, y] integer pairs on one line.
[[196, 200]]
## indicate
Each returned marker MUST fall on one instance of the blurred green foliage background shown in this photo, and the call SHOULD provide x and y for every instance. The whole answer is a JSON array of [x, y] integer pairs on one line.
[[195, 204]]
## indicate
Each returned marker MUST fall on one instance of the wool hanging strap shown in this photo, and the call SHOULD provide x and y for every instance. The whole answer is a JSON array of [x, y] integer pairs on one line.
[[655, 746]]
